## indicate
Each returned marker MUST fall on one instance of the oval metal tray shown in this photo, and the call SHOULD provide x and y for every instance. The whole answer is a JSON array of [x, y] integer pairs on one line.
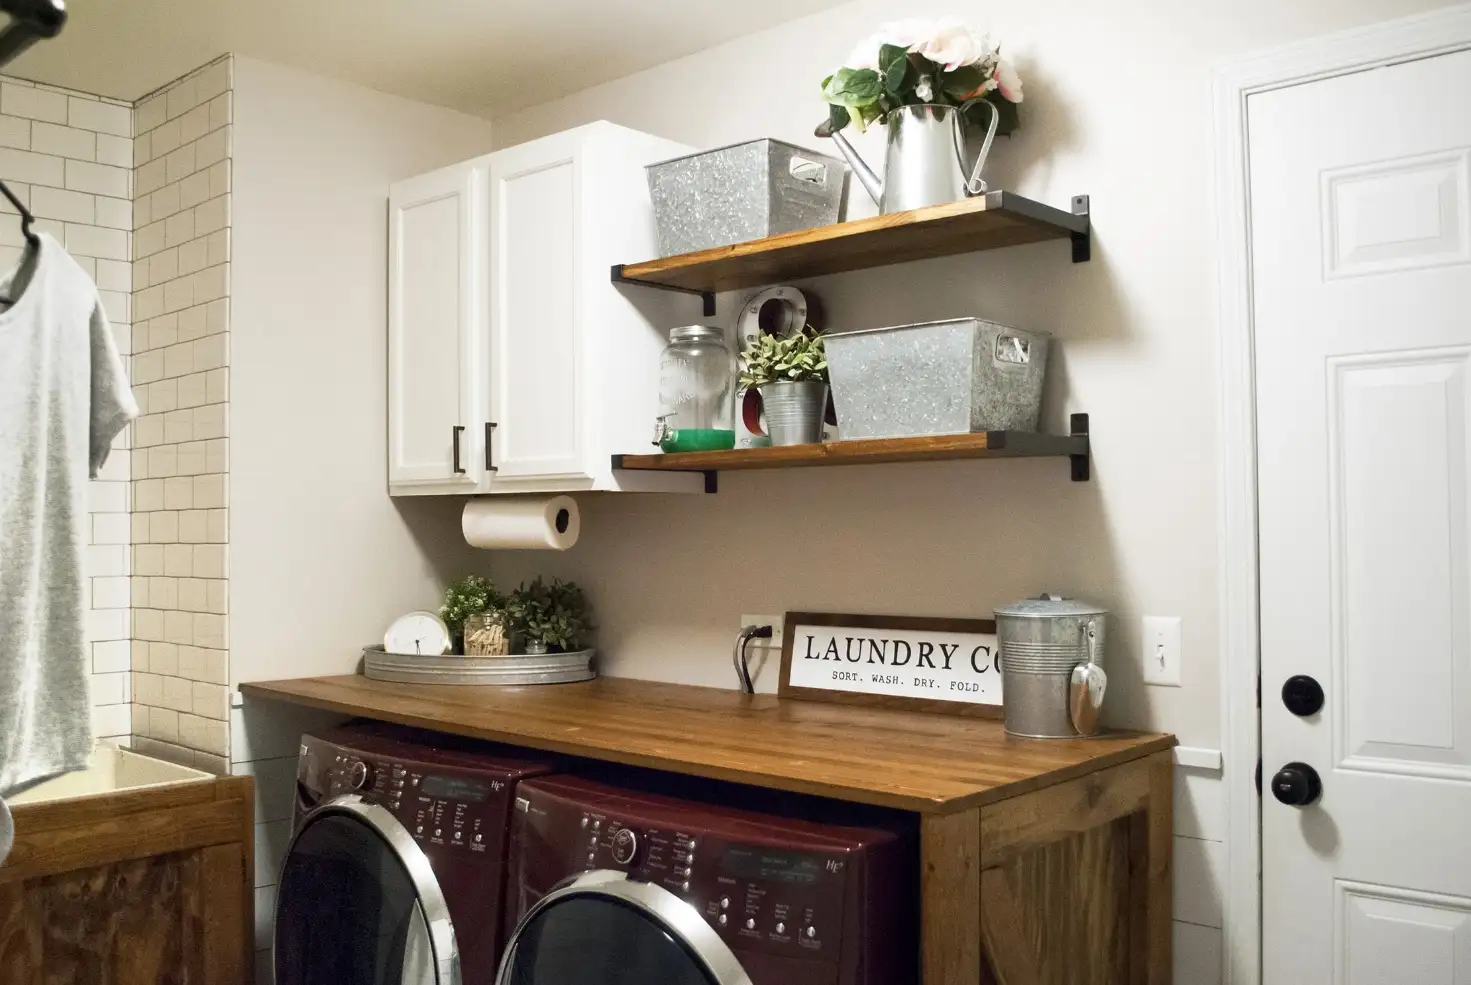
[[540, 668]]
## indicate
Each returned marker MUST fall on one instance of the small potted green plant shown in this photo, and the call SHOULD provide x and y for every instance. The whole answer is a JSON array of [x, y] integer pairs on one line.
[[550, 618], [790, 373], [472, 612]]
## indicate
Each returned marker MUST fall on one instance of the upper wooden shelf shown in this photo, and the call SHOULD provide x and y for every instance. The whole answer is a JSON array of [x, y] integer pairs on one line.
[[929, 763], [987, 222], [878, 451]]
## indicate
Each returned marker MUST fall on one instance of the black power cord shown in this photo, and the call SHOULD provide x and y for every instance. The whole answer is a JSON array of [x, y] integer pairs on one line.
[[739, 658]]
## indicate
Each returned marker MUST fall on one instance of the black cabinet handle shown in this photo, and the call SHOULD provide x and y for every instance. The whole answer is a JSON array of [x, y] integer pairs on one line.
[[455, 439], [489, 430]]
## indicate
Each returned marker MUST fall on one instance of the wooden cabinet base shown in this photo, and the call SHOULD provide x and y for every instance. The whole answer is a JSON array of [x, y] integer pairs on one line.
[[145, 887], [1068, 885]]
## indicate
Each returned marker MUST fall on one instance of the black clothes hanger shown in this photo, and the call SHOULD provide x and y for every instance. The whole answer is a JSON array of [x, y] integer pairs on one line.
[[30, 21], [33, 241]]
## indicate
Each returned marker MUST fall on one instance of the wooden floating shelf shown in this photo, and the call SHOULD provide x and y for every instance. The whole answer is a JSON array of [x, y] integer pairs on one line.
[[877, 451], [987, 222]]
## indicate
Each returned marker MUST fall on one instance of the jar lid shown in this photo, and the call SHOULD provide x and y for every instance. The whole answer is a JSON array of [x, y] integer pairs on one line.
[[697, 333], [1047, 605]]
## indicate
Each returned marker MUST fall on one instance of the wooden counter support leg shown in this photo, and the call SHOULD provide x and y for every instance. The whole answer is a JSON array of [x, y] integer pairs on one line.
[[1076, 880], [950, 898], [1151, 877]]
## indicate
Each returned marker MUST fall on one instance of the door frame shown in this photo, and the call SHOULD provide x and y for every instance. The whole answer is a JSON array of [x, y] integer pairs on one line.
[[1377, 45]]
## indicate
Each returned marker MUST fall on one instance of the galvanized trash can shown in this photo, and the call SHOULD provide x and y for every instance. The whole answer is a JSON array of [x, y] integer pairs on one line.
[[743, 192], [1052, 679], [941, 377]]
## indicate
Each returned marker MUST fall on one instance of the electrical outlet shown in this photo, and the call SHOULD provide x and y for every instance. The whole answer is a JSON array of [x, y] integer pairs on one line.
[[775, 622], [1161, 650]]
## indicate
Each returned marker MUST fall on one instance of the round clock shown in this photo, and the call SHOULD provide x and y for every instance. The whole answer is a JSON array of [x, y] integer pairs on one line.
[[422, 633]]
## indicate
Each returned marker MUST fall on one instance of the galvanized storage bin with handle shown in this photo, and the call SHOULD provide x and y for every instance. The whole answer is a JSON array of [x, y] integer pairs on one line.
[[743, 192], [1052, 679], [941, 377]]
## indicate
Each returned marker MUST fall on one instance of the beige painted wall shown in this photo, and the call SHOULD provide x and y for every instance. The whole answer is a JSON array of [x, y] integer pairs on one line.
[[1119, 107], [320, 557]]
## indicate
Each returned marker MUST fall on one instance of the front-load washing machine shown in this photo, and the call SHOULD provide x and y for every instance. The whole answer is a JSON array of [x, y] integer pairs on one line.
[[396, 868], [612, 886]]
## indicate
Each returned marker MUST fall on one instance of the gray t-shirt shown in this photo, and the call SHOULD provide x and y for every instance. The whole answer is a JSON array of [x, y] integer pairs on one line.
[[63, 397]]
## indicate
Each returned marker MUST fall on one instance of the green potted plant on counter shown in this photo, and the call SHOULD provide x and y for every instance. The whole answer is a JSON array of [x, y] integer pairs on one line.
[[790, 373], [550, 618], [469, 605]]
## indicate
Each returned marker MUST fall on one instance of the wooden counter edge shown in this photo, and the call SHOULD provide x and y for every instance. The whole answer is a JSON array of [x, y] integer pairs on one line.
[[1146, 745]]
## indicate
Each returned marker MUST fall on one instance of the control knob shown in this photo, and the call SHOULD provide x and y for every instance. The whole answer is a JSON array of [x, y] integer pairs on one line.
[[625, 846], [358, 774]]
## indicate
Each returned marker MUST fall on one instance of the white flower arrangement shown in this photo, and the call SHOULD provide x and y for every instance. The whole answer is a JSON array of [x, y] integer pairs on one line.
[[919, 60]]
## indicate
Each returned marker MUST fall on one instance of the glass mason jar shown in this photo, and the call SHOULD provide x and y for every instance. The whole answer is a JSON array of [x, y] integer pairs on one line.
[[697, 375], [486, 635]]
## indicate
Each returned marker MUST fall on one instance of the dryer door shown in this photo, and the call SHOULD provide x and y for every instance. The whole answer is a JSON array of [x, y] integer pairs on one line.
[[603, 928], [358, 904]]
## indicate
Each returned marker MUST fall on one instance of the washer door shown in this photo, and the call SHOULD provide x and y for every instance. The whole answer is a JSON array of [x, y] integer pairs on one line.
[[358, 904], [603, 928]]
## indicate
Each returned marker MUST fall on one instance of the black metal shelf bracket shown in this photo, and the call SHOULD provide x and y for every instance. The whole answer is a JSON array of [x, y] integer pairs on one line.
[[1082, 241], [1082, 462], [712, 477], [707, 299]]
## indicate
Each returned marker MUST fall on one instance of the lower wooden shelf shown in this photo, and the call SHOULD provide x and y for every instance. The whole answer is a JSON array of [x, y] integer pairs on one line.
[[875, 451]]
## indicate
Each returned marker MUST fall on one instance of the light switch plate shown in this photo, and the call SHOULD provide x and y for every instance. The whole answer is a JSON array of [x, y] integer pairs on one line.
[[1161, 650]]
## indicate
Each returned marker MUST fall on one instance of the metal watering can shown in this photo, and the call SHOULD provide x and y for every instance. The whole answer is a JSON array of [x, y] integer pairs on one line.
[[924, 163]]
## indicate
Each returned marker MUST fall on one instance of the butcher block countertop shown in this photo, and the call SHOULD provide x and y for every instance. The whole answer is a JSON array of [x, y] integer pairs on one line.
[[929, 763]]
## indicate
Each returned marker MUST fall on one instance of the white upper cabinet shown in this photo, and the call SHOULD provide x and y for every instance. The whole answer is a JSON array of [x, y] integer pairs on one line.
[[435, 319], [562, 370], [536, 347]]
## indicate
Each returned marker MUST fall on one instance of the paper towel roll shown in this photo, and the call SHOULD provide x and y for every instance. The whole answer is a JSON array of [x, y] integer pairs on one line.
[[521, 523]]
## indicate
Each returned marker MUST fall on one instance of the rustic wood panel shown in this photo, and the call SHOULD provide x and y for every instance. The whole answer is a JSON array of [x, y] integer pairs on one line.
[[105, 891], [909, 760], [865, 451], [1036, 819], [991, 221], [950, 898], [1059, 914], [1151, 877]]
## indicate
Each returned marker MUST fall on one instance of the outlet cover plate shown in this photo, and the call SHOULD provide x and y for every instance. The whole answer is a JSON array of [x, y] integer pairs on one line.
[[1160, 650]]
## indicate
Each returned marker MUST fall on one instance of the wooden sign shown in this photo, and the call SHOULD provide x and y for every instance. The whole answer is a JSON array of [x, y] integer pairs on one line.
[[949, 665]]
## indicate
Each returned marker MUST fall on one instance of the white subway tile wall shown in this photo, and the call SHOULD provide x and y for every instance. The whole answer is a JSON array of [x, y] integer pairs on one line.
[[43, 132], [179, 524]]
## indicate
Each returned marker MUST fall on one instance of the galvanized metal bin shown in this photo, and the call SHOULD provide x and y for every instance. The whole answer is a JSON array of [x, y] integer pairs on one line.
[[743, 192], [940, 377]]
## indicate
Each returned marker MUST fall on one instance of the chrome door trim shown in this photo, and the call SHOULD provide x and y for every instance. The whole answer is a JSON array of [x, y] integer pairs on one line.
[[431, 901], [677, 916]]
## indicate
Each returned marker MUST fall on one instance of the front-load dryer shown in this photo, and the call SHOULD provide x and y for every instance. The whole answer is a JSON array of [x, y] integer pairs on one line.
[[396, 867], [615, 886]]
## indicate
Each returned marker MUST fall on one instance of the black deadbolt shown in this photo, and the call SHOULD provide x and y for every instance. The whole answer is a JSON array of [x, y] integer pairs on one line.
[[1297, 785], [1302, 695]]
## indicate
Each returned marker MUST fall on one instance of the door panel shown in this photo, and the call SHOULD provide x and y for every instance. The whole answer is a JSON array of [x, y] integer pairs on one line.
[[1362, 324], [536, 349], [433, 329], [1398, 433]]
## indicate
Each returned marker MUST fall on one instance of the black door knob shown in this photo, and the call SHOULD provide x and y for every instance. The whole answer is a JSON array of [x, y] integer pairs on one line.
[[1302, 695], [1297, 785]]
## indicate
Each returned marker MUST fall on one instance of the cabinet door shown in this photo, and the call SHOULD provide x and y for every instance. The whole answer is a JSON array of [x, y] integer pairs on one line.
[[536, 242], [434, 331]]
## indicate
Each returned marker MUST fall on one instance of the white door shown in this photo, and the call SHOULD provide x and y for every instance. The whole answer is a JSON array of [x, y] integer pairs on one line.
[[435, 319], [536, 349], [1361, 240]]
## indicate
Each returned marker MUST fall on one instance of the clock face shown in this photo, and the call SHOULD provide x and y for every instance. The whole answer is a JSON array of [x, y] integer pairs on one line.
[[422, 633]]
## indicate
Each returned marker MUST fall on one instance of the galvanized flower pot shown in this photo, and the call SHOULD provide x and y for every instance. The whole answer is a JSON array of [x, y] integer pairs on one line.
[[794, 411]]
